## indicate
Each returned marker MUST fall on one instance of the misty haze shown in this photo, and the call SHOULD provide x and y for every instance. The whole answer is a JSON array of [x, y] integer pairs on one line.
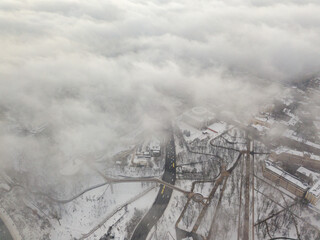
[[159, 120]]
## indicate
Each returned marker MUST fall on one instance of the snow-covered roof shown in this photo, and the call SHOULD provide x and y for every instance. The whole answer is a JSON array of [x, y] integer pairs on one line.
[[141, 161], [314, 157], [194, 133], [293, 120], [282, 149], [291, 135], [315, 190], [308, 173], [265, 119], [296, 153], [260, 128], [218, 127], [154, 144], [286, 175]]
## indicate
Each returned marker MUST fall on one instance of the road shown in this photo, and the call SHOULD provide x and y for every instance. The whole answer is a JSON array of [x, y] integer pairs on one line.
[[4, 232], [8, 229], [110, 215], [160, 204], [246, 220]]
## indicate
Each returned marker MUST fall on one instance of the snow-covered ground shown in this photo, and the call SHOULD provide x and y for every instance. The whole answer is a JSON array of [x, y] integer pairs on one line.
[[212, 131], [40, 218], [200, 154]]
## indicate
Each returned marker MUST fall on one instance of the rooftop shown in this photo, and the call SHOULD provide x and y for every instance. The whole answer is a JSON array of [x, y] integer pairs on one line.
[[292, 135], [286, 175], [315, 190], [308, 173], [296, 153]]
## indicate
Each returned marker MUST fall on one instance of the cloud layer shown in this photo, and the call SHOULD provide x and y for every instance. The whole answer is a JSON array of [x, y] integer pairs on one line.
[[88, 72]]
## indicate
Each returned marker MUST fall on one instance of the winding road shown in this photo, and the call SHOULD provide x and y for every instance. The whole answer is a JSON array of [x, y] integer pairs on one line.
[[160, 204]]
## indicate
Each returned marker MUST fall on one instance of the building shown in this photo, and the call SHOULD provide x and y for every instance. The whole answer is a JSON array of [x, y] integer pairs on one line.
[[149, 149], [290, 138], [198, 117], [296, 185], [284, 179], [313, 195], [289, 156], [307, 175], [155, 147], [140, 162], [265, 121], [143, 152]]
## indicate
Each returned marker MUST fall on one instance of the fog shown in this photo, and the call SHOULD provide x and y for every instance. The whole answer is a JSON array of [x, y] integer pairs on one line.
[[77, 76]]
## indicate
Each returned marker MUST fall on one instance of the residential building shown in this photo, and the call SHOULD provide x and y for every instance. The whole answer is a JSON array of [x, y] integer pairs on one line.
[[290, 156], [291, 138], [313, 195], [265, 121], [307, 175], [284, 179]]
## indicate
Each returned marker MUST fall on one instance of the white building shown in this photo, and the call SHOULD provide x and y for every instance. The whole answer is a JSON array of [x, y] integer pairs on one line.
[[155, 147], [149, 149]]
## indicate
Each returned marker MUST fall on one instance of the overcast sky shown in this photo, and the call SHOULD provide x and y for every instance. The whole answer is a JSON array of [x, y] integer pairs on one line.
[[85, 69]]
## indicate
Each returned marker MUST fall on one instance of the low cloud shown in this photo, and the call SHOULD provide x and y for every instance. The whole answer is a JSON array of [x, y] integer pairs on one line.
[[83, 74]]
